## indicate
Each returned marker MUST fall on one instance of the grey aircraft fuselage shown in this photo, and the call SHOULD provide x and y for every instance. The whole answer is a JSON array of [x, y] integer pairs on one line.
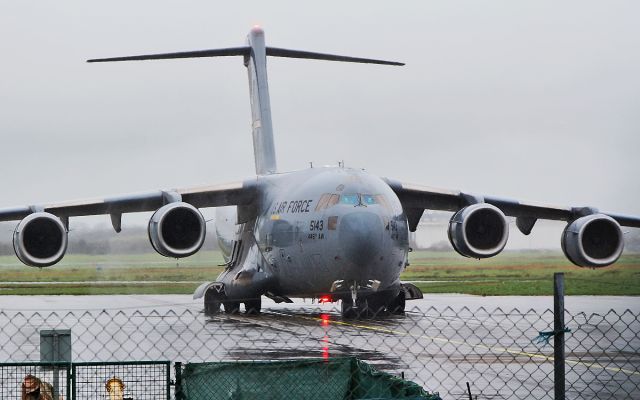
[[330, 232], [315, 227]]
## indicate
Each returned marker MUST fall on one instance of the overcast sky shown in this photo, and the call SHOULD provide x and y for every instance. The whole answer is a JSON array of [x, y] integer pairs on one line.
[[535, 100]]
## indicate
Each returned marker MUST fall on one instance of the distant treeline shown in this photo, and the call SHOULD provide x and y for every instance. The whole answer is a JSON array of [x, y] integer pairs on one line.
[[631, 243], [134, 240], [104, 240]]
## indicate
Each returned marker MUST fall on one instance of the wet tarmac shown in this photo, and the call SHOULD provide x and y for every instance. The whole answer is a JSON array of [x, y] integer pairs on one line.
[[574, 304], [442, 342]]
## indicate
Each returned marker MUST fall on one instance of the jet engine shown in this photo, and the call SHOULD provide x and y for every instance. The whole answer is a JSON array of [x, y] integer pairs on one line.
[[177, 230], [478, 231], [593, 241], [40, 240]]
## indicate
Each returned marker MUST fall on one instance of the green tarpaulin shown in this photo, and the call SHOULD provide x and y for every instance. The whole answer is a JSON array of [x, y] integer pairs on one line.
[[322, 379]]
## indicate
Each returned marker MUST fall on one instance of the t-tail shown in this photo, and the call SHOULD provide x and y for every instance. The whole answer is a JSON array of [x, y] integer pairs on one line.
[[255, 59]]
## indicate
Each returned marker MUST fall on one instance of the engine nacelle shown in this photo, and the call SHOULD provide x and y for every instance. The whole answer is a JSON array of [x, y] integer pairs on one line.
[[593, 241], [40, 240], [478, 231], [177, 230]]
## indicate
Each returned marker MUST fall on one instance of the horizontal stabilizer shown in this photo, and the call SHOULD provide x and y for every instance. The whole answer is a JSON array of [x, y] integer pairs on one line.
[[277, 52], [232, 51], [245, 51]]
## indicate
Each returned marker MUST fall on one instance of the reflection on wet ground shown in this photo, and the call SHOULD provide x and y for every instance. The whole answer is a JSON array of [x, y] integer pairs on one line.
[[305, 333], [437, 346], [438, 349]]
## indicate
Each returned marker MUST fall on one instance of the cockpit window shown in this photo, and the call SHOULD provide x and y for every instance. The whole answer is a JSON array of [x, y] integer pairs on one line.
[[351, 199], [368, 199], [323, 202], [335, 198], [329, 200]]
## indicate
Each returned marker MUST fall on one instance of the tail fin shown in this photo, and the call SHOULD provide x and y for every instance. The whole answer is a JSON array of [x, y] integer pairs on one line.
[[255, 59], [264, 150]]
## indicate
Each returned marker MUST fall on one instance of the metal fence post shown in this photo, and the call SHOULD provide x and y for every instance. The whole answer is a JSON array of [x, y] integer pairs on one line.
[[56, 368], [178, 388], [72, 395], [558, 340]]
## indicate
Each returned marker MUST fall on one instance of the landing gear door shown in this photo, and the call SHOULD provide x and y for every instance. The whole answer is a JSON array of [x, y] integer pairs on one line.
[[236, 251]]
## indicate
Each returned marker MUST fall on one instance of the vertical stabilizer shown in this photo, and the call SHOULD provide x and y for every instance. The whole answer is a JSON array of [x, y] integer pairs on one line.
[[262, 128], [255, 59]]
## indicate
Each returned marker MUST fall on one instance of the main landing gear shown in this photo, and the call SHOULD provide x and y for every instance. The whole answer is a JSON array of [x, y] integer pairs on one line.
[[212, 303], [253, 306]]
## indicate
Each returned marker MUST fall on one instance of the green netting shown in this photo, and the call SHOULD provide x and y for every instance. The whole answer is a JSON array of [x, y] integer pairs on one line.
[[322, 379]]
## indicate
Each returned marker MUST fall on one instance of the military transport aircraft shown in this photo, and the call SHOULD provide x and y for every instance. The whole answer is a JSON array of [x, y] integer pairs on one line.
[[331, 233]]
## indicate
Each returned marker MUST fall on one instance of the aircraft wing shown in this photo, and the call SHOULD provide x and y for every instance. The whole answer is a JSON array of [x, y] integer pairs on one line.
[[238, 193], [415, 199]]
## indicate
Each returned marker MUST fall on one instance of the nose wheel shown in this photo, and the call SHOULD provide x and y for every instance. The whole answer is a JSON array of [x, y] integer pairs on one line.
[[354, 306], [363, 308], [347, 309], [372, 305]]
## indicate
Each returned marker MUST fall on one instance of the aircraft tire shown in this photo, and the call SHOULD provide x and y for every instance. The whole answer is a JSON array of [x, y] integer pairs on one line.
[[212, 308], [231, 307], [362, 308], [374, 306], [347, 309], [211, 303], [253, 306], [397, 305]]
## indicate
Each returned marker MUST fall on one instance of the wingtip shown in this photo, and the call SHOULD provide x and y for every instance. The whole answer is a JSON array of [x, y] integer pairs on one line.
[[394, 63]]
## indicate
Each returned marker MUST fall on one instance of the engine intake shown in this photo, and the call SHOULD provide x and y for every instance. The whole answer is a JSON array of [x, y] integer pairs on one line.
[[40, 240], [593, 241], [177, 230], [478, 231]]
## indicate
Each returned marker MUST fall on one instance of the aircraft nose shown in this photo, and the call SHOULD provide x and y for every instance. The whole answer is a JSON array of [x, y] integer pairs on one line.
[[360, 235]]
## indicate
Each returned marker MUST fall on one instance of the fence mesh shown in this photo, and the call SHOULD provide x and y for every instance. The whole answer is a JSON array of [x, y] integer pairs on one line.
[[497, 351], [603, 355], [20, 381], [132, 380]]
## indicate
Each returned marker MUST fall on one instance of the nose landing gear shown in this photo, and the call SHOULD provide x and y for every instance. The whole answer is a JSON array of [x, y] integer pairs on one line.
[[372, 305]]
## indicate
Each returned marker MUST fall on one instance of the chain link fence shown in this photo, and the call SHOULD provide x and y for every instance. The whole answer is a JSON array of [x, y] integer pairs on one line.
[[18, 380], [500, 353]]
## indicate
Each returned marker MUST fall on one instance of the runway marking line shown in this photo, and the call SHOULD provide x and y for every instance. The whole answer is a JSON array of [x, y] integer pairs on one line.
[[457, 342]]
